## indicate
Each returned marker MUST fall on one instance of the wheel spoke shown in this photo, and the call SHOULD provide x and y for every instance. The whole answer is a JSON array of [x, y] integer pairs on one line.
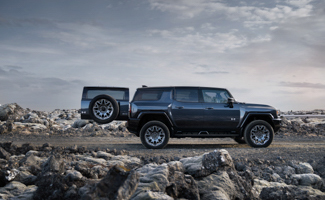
[[103, 109], [154, 135], [259, 135]]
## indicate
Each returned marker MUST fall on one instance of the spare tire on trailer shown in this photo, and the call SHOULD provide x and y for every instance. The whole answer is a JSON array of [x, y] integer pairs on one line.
[[103, 109]]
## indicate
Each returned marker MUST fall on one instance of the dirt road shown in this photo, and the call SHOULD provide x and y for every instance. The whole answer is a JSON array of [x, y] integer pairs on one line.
[[288, 148]]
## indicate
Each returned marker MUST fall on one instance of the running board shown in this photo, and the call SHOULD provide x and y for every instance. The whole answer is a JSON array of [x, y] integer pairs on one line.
[[205, 134]]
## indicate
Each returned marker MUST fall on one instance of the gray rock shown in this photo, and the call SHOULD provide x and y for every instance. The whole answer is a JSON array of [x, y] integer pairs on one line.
[[27, 194], [26, 178], [302, 168], [181, 185], [30, 160], [207, 163], [117, 184], [80, 123], [290, 192], [3, 128], [71, 193], [151, 195], [98, 171], [312, 180], [217, 186], [4, 154], [153, 177], [104, 155], [30, 152], [53, 164], [9, 109], [287, 171], [73, 175], [126, 161], [240, 166], [14, 188]]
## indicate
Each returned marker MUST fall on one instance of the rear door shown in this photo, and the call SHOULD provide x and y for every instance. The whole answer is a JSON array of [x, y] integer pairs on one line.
[[120, 94], [218, 115], [187, 110]]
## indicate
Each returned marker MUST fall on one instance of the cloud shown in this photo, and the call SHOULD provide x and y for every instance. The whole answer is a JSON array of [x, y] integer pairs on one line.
[[252, 16], [189, 40], [29, 90], [8, 21], [212, 72], [302, 85]]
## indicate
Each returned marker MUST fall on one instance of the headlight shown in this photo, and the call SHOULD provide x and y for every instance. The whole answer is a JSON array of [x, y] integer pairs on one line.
[[278, 113]]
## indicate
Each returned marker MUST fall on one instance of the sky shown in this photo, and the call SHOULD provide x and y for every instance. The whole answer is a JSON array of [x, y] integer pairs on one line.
[[262, 51]]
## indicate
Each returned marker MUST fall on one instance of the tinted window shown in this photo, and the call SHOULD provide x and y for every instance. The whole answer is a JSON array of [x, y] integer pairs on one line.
[[215, 96], [187, 95], [116, 94], [148, 95]]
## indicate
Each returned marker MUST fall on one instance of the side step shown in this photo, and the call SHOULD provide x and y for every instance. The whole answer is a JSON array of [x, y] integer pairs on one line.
[[205, 134]]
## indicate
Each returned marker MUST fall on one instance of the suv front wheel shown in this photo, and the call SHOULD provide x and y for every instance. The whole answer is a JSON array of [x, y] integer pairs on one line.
[[258, 133], [154, 135]]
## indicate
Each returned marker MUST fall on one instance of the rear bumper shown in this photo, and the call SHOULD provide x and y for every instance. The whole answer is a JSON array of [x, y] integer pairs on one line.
[[132, 126], [277, 124]]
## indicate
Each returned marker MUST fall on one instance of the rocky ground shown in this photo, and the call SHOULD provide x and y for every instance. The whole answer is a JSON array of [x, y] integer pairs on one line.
[[55, 170]]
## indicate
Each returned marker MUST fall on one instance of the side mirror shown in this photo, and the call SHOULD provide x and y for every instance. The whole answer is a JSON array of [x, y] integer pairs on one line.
[[231, 102]]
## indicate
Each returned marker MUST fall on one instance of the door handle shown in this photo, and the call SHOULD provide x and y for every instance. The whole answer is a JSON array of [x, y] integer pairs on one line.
[[209, 108], [179, 107]]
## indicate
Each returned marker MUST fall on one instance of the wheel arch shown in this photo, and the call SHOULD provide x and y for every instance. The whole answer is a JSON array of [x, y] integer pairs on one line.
[[155, 116], [256, 116]]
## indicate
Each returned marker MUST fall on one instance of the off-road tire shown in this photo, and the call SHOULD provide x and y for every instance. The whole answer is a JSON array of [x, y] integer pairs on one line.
[[259, 134], [154, 135], [103, 109]]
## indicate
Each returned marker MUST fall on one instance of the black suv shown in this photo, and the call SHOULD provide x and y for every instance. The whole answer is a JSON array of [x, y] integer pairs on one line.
[[158, 113]]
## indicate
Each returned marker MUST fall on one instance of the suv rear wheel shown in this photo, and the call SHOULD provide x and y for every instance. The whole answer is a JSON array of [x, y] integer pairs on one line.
[[154, 135], [103, 109], [259, 133]]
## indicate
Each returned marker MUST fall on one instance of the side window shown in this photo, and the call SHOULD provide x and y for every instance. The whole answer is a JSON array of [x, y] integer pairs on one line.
[[187, 95], [148, 95], [116, 94], [215, 96]]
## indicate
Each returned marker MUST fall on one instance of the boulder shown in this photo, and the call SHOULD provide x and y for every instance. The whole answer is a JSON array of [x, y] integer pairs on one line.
[[104, 155], [10, 109], [13, 188], [27, 194], [53, 164], [73, 175], [118, 184], [181, 185], [312, 180], [151, 195], [217, 186], [126, 161], [80, 123], [4, 154], [291, 192], [206, 164], [153, 177], [31, 160], [302, 168]]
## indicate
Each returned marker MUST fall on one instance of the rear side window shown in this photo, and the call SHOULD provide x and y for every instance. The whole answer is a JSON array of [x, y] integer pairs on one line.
[[187, 95], [116, 94], [148, 95]]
